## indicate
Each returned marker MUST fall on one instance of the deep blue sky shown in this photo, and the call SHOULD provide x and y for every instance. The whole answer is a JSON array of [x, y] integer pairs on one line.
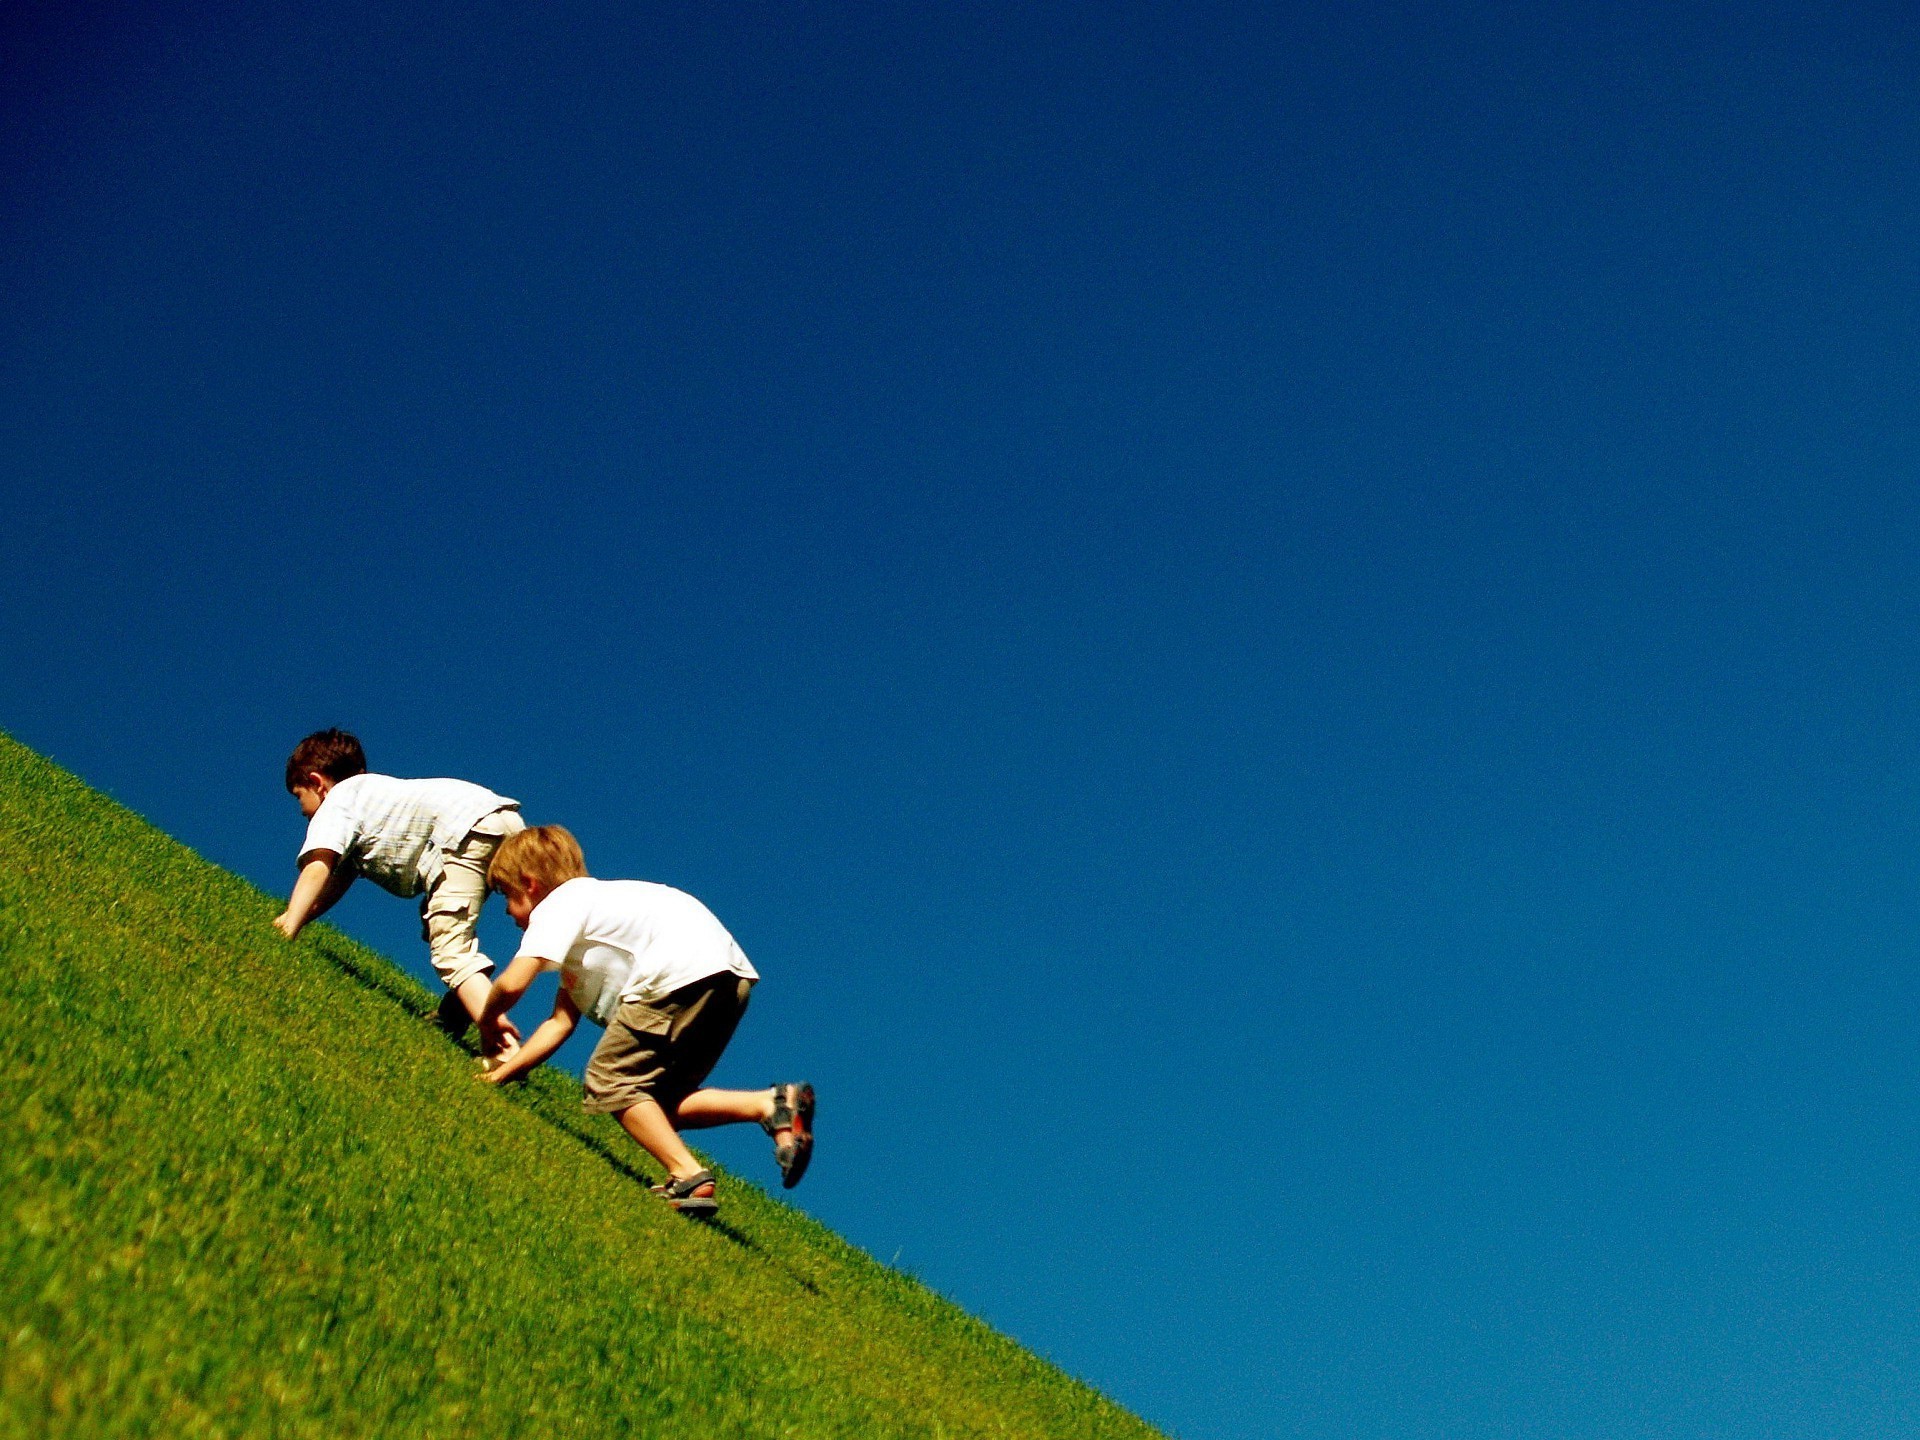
[[1290, 636]]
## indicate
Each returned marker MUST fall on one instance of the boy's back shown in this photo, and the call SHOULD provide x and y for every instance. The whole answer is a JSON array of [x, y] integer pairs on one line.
[[630, 940], [391, 830]]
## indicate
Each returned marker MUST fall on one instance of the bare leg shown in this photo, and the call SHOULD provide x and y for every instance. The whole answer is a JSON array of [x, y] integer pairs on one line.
[[647, 1123], [473, 995], [704, 1109]]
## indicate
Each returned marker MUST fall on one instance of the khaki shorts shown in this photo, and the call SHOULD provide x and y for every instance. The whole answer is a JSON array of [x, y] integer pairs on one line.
[[661, 1050], [450, 910]]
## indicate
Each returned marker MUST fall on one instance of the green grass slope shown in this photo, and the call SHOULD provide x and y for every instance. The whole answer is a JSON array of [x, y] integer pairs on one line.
[[249, 1190]]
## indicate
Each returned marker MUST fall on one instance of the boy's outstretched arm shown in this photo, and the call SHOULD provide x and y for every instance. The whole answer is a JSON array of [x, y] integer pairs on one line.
[[323, 880], [548, 1037], [505, 992]]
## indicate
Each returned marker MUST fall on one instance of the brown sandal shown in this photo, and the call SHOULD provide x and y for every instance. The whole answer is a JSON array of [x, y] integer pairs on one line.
[[691, 1196], [792, 1112]]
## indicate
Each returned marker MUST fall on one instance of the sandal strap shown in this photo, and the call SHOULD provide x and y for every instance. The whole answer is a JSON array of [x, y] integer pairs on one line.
[[782, 1116], [680, 1189]]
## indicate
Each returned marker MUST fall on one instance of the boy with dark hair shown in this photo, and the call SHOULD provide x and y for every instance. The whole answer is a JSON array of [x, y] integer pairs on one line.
[[664, 977], [431, 838]]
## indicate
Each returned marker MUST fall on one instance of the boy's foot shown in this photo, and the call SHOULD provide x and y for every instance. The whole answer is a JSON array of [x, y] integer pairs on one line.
[[691, 1196], [793, 1113]]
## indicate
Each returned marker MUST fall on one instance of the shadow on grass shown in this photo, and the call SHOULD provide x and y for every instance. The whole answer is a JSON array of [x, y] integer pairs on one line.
[[536, 1103], [447, 1015], [382, 980], [379, 977]]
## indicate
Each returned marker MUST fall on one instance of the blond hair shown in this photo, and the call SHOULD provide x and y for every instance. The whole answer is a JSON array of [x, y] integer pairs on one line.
[[545, 853]]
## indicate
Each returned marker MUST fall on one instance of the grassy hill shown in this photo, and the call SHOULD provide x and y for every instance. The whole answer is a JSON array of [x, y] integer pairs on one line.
[[249, 1190]]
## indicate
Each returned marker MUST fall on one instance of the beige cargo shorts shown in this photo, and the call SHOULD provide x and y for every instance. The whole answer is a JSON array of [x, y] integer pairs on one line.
[[450, 910]]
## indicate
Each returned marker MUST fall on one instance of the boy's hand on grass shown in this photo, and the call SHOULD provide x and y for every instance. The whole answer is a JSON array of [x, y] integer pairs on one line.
[[499, 1036], [494, 1071], [499, 1046]]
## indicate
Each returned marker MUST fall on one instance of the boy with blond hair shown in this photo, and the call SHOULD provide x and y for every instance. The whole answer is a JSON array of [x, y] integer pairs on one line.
[[652, 965], [431, 838]]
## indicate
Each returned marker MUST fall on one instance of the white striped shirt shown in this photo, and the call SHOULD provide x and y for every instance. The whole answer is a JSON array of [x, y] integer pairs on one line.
[[394, 832]]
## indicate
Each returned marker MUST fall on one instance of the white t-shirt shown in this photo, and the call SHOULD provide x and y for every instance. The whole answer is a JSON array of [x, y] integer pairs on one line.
[[619, 940], [394, 832]]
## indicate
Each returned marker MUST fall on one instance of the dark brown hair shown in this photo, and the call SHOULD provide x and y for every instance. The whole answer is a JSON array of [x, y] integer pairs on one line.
[[332, 753]]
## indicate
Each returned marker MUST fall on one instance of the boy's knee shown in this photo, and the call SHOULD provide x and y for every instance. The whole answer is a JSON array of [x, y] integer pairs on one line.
[[456, 970]]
